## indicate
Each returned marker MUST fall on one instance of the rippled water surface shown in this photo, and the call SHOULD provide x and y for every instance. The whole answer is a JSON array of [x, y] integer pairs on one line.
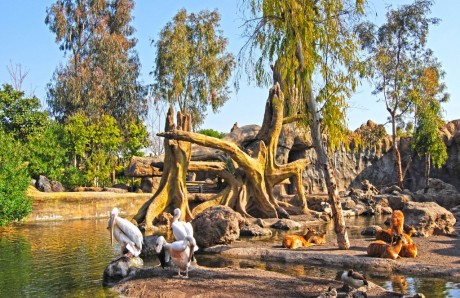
[[67, 259]]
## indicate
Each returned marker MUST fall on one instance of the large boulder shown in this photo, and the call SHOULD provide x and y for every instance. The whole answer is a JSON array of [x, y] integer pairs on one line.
[[397, 202], [286, 224], [144, 166], [440, 192], [121, 268], [429, 218], [217, 225], [56, 186], [43, 184]]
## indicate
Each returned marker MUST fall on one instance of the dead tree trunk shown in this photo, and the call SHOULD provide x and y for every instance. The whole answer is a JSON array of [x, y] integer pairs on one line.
[[249, 188], [172, 191]]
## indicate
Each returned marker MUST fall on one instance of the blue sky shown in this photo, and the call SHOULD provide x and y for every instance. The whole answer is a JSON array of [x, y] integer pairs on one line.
[[27, 40]]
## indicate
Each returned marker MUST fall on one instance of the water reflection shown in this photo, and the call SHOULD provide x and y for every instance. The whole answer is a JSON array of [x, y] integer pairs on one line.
[[54, 259], [67, 259]]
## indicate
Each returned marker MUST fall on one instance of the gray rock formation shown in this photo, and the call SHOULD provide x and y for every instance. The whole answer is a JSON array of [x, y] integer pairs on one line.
[[429, 218], [120, 269], [286, 224], [440, 192], [254, 230], [43, 184], [217, 225]]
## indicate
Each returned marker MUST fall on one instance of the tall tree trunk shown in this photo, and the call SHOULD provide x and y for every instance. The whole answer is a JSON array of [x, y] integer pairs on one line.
[[172, 190], [306, 88], [339, 221], [427, 170], [397, 153]]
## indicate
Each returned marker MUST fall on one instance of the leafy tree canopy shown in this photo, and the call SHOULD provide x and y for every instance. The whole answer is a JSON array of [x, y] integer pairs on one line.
[[307, 42], [101, 75], [192, 66], [20, 116]]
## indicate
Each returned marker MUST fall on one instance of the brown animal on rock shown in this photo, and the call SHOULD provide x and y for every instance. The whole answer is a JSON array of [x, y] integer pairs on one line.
[[295, 241], [408, 251], [386, 235], [321, 239], [397, 222], [381, 249]]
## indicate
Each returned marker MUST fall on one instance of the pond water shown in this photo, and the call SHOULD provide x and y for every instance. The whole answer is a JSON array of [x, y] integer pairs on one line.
[[67, 259]]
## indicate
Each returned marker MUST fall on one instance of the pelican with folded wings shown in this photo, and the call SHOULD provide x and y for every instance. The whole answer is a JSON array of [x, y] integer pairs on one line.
[[126, 233]]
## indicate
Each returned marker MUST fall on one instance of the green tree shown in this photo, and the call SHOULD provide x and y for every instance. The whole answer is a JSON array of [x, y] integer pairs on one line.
[[77, 137], [307, 41], [212, 133], [47, 152], [396, 49], [192, 67], [104, 143], [101, 75], [20, 116], [428, 93], [14, 181], [135, 138]]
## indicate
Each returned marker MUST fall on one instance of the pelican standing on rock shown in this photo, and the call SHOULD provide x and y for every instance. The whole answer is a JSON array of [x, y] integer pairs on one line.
[[181, 252], [126, 233]]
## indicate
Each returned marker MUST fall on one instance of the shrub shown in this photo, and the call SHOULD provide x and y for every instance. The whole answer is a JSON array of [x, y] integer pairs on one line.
[[14, 181], [72, 178], [212, 133]]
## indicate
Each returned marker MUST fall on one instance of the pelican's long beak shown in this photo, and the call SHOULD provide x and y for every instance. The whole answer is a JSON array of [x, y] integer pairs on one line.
[[112, 224]]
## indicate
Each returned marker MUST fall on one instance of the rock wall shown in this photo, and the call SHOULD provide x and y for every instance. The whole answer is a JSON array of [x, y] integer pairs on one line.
[[72, 205], [376, 164]]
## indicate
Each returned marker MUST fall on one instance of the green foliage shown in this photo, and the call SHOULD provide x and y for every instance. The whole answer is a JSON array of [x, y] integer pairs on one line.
[[135, 138], [47, 152], [104, 141], [20, 116], [428, 93], [310, 41], [212, 133], [77, 136], [14, 181], [192, 67], [101, 74], [73, 177]]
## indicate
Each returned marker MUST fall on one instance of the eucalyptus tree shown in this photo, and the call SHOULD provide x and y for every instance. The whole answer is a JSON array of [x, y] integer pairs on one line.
[[396, 49], [192, 65], [101, 74], [310, 41], [428, 93]]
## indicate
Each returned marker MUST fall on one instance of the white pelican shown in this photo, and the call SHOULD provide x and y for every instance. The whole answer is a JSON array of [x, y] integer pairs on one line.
[[181, 252], [126, 233], [181, 229], [354, 279]]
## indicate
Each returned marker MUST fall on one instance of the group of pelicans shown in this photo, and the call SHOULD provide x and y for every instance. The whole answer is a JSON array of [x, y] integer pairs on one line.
[[180, 252]]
